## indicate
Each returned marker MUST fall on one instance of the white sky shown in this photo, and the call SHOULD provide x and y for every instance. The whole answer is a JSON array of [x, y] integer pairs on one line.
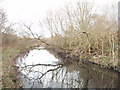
[[35, 10]]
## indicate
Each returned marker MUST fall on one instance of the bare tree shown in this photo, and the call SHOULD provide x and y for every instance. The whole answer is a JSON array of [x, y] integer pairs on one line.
[[3, 20]]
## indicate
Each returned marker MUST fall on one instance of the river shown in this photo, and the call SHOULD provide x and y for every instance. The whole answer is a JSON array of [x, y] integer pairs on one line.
[[40, 69]]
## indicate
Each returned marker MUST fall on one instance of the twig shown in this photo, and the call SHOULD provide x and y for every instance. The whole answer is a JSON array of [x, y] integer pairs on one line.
[[41, 65], [50, 70]]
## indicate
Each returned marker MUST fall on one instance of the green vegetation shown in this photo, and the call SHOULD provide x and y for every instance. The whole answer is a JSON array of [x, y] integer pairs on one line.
[[8, 71], [10, 52]]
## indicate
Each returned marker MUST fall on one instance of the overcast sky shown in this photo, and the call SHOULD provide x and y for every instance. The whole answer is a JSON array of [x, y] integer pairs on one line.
[[34, 10]]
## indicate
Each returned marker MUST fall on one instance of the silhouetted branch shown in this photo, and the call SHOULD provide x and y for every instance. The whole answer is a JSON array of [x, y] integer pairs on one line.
[[50, 70], [43, 65]]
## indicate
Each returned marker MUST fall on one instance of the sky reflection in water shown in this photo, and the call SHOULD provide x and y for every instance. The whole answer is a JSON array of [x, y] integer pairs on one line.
[[70, 76]]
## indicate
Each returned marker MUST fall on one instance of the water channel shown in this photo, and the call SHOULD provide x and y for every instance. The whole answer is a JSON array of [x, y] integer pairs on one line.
[[39, 69]]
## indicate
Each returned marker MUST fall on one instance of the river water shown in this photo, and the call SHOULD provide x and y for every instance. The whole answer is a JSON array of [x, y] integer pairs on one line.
[[40, 69]]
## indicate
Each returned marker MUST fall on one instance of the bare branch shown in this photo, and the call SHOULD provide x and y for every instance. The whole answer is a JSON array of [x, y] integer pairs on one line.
[[29, 28], [41, 65], [50, 70]]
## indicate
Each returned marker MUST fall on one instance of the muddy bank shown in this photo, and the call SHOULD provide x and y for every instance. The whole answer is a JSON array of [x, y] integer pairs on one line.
[[67, 58]]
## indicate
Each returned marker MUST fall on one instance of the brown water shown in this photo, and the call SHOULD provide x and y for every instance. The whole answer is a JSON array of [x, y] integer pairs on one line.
[[50, 75]]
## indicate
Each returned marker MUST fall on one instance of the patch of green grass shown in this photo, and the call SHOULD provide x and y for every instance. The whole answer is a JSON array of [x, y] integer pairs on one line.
[[7, 67], [8, 53], [104, 60]]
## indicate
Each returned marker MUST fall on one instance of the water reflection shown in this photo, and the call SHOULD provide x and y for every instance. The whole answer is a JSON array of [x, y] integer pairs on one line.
[[39, 70]]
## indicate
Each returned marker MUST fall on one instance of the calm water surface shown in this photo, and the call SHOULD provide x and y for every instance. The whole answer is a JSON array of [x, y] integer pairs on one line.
[[50, 75]]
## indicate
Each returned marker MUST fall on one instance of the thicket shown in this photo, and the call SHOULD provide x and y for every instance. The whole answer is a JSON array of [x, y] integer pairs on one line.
[[84, 33]]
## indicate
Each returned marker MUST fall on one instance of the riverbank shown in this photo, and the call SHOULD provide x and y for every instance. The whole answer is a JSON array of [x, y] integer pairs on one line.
[[66, 57], [10, 53], [93, 38], [10, 72]]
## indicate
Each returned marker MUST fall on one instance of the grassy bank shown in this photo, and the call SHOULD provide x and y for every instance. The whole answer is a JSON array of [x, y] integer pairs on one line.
[[13, 47]]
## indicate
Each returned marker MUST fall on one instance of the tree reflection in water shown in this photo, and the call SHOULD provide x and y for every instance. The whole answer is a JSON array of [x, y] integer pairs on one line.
[[72, 75]]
